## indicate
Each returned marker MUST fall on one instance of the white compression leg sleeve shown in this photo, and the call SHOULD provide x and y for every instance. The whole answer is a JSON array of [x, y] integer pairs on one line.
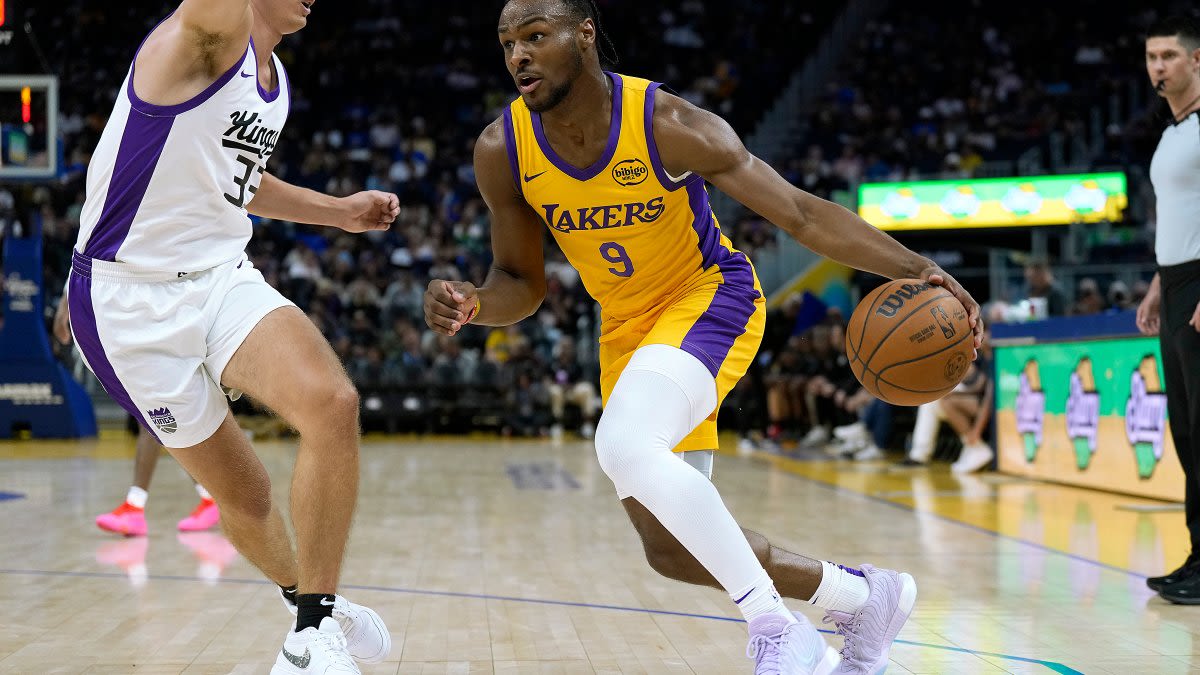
[[660, 397]]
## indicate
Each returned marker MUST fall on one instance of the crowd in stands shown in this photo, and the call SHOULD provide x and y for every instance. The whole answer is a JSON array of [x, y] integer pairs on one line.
[[390, 96], [942, 89], [1004, 78]]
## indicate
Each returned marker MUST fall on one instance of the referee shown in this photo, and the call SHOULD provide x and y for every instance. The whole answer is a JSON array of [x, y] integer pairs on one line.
[[1172, 306]]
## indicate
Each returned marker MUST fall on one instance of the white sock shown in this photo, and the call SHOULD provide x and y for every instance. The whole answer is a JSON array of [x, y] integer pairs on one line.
[[841, 589], [202, 492], [761, 599], [136, 497]]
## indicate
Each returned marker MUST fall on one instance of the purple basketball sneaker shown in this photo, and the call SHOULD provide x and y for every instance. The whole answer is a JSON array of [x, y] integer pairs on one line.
[[870, 631]]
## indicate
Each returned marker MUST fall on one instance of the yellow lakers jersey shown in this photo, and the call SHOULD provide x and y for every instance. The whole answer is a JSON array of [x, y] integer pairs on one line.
[[638, 236]]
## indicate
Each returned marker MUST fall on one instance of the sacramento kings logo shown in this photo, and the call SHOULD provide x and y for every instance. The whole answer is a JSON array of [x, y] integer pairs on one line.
[[163, 419]]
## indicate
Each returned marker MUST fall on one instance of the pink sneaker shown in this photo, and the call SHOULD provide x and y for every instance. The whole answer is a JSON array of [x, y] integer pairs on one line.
[[870, 631], [125, 519], [204, 516]]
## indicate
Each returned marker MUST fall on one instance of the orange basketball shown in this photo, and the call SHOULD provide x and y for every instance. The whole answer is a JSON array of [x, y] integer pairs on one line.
[[909, 342]]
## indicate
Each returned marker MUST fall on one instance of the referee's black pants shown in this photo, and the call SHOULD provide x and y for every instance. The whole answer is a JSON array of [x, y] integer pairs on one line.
[[1180, 344]]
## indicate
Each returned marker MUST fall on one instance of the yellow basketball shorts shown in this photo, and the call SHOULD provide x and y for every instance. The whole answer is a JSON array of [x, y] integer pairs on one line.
[[720, 323]]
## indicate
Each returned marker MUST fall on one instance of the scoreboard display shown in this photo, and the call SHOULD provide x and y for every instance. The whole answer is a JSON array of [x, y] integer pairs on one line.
[[28, 126], [28, 97], [994, 202]]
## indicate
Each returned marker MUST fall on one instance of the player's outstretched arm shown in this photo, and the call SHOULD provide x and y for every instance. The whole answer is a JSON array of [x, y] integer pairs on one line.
[[360, 212], [691, 139], [516, 284]]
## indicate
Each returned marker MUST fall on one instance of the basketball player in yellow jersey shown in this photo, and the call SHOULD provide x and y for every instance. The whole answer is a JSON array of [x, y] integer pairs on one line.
[[616, 168]]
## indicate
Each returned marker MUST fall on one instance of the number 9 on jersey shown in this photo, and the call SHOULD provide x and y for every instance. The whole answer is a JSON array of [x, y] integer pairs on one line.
[[616, 254]]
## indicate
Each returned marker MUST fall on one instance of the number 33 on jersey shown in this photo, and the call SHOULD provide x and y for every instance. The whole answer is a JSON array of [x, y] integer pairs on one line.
[[638, 236]]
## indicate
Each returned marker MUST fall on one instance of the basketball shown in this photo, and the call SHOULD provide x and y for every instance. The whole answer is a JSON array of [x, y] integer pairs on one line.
[[909, 342]]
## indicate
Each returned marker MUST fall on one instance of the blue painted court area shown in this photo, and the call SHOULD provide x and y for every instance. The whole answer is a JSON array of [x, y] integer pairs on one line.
[[9, 496], [1050, 665]]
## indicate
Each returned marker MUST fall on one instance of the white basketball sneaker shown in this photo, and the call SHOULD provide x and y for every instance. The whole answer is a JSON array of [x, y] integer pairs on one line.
[[367, 638], [782, 648], [315, 651]]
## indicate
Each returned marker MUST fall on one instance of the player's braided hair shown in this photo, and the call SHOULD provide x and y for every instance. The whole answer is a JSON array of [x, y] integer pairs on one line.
[[587, 9]]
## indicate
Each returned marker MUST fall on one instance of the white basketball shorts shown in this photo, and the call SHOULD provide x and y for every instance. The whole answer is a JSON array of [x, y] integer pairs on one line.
[[159, 341]]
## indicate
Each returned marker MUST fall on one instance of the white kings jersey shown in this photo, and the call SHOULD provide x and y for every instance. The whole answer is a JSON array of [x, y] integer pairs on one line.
[[167, 187]]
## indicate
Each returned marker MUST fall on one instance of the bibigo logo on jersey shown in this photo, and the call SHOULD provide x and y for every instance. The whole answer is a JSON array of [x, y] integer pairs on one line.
[[630, 172]]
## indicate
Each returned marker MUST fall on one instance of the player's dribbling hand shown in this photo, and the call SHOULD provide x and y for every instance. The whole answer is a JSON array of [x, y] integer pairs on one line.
[[368, 210], [449, 305], [938, 277]]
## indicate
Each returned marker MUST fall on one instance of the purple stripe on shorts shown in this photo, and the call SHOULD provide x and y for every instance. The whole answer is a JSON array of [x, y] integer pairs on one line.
[[141, 147], [614, 135], [655, 160], [83, 325], [510, 144], [81, 264], [713, 334]]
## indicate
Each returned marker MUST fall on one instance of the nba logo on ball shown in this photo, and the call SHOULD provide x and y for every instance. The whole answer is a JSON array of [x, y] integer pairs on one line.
[[909, 342], [943, 321]]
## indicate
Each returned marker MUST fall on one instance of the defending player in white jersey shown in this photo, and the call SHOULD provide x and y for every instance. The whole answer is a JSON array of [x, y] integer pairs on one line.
[[169, 313]]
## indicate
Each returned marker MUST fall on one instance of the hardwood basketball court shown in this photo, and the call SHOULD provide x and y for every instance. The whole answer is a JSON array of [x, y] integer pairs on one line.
[[515, 557]]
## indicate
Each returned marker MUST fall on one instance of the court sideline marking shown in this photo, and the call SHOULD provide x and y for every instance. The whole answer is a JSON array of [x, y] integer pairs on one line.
[[1053, 666]]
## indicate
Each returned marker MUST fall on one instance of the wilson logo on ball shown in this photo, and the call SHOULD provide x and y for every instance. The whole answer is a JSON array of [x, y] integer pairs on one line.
[[894, 302]]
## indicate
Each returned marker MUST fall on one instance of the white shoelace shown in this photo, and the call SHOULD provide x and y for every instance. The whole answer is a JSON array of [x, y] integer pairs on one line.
[[848, 630], [765, 651], [335, 646]]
